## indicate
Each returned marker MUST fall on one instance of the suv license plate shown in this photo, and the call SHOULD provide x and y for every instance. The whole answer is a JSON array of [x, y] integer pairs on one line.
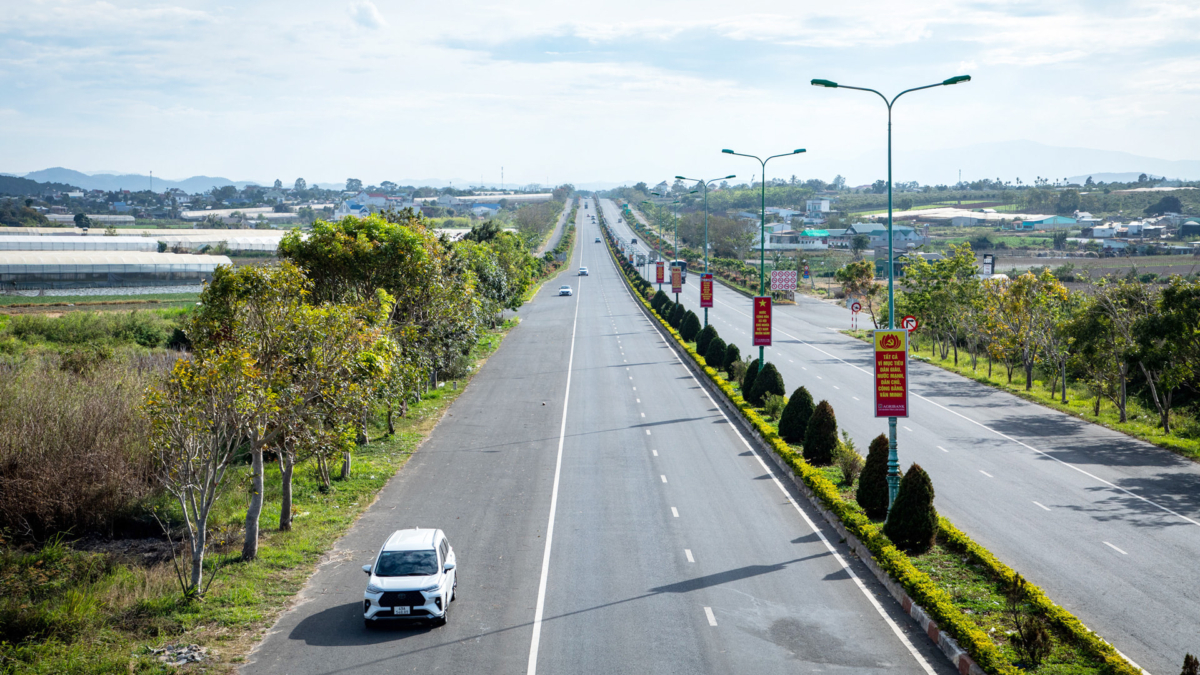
[[402, 610]]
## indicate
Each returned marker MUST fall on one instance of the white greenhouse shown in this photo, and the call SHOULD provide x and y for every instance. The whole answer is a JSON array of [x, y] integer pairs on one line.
[[84, 269]]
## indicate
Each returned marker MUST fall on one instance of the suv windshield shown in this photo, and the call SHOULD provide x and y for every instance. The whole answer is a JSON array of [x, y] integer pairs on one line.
[[406, 564]]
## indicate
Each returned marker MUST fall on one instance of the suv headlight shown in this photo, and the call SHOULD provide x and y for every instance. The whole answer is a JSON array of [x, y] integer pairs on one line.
[[372, 588], [431, 588]]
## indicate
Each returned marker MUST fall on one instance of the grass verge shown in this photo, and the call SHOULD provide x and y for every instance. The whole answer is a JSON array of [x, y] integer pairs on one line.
[[1142, 421], [64, 610], [953, 581]]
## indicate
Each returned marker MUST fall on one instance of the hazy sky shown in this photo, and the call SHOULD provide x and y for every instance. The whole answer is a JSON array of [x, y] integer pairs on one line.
[[556, 91]]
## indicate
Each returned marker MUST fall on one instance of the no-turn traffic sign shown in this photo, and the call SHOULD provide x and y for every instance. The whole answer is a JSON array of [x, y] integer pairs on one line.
[[909, 323], [855, 306]]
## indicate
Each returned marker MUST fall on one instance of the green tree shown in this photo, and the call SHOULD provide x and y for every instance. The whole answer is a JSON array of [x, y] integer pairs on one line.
[[714, 355], [300, 184], [689, 326], [858, 244], [657, 301], [677, 313], [732, 355], [1168, 204], [353, 185], [702, 338], [82, 221], [872, 494], [1167, 348], [912, 522], [793, 423], [768, 381], [858, 281], [820, 438], [748, 379], [1068, 202]]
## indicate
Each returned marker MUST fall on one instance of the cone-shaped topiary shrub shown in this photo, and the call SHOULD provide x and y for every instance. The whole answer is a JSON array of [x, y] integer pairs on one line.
[[665, 309], [793, 423], [707, 333], [732, 355], [872, 493], [768, 381], [657, 302], [677, 312], [912, 523], [820, 438], [715, 356], [689, 327], [748, 378]]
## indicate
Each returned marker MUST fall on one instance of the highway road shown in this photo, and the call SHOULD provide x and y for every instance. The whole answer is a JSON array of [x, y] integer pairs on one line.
[[1109, 526], [559, 226], [607, 518]]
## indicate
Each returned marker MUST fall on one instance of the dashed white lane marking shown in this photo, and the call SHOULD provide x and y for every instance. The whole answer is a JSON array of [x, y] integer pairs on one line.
[[688, 553], [647, 432], [942, 449], [837, 387], [663, 477], [1042, 506], [655, 452], [820, 378], [638, 400], [635, 388], [986, 473], [1115, 548], [854, 397], [712, 620], [643, 414], [907, 429], [674, 512]]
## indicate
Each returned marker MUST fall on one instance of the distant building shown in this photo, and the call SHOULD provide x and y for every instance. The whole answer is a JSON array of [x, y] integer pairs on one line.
[[967, 221], [347, 208], [485, 210], [817, 205], [1050, 223]]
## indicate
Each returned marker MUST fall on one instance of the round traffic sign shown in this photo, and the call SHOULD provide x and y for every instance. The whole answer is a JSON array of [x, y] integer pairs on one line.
[[855, 306], [909, 323]]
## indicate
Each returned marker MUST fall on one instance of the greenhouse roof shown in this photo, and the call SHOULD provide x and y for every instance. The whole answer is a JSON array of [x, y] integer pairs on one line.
[[68, 258]]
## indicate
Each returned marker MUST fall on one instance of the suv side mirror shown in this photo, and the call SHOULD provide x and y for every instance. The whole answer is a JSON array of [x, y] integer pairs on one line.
[[449, 566], [367, 569]]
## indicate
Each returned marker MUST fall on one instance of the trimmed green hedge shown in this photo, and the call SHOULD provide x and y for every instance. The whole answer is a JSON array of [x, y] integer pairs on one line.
[[937, 603]]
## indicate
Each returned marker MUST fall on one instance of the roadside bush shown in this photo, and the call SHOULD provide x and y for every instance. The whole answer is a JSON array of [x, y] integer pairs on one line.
[[847, 459], [677, 313], [714, 356], [702, 339], [732, 355], [773, 405], [1191, 665], [872, 493], [912, 523], [793, 423], [820, 439], [689, 326], [748, 378], [657, 301], [147, 328], [767, 381]]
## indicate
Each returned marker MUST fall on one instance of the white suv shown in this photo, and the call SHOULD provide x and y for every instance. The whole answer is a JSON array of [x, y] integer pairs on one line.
[[413, 577]]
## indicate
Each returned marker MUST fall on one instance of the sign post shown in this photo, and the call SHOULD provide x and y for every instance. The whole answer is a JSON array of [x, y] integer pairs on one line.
[[658, 274], [891, 391], [762, 322], [989, 265], [676, 281], [855, 308], [706, 290]]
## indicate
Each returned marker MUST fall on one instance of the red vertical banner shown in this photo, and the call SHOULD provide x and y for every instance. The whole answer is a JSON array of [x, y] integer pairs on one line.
[[891, 373], [658, 272], [706, 282], [762, 321], [676, 279]]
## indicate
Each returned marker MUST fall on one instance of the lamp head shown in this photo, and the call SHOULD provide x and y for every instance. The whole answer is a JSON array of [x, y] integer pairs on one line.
[[957, 79], [728, 177], [655, 194], [728, 152], [825, 83], [680, 178], [798, 151]]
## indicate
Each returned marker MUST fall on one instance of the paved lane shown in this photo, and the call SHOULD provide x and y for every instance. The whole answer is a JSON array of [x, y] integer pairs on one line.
[[1108, 525]]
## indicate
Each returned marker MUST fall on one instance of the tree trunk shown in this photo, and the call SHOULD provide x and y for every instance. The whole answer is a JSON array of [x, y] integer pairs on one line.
[[955, 353], [390, 424], [287, 466], [989, 365], [1099, 396], [254, 510], [199, 540], [347, 459], [1124, 400], [1028, 375], [1064, 378]]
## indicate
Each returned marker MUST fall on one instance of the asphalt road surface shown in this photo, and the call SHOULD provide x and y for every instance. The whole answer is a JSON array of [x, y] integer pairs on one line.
[[1109, 526], [607, 519]]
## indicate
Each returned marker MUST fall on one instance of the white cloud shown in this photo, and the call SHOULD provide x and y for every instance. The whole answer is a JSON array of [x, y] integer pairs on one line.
[[366, 14]]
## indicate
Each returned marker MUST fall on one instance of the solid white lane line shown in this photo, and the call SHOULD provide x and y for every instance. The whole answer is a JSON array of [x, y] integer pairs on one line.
[[1040, 505], [917, 656], [655, 452], [562, 436], [942, 449], [674, 512], [712, 620], [986, 473], [664, 478], [688, 553], [1115, 548]]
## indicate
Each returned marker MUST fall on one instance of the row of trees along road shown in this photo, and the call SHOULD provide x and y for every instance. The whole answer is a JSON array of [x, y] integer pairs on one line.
[[289, 360], [1114, 332]]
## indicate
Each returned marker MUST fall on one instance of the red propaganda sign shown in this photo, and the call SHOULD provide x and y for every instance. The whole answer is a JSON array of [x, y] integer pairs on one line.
[[891, 373], [676, 279], [706, 290], [658, 272], [762, 321]]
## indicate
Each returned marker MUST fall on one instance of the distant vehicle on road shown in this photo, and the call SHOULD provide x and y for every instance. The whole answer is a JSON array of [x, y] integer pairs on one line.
[[597, 240], [682, 265], [583, 271], [564, 290], [633, 241], [413, 578]]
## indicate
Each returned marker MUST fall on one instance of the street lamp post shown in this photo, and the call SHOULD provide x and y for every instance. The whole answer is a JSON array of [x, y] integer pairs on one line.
[[893, 476], [704, 184], [762, 241]]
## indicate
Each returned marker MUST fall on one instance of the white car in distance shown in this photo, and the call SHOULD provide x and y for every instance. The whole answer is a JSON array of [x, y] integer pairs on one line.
[[583, 271], [564, 290], [413, 578]]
